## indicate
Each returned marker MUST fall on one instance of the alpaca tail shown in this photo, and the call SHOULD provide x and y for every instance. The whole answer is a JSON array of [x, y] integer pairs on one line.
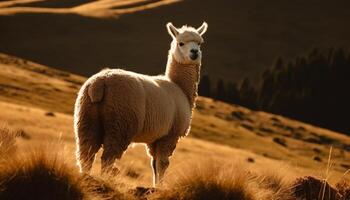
[[96, 90]]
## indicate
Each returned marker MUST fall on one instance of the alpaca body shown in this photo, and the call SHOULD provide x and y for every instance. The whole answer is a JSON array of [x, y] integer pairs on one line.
[[116, 107], [155, 101]]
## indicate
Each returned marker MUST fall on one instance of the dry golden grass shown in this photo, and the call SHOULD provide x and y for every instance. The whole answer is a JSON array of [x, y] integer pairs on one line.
[[210, 182], [343, 187], [218, 179], [7, 142], [244, 160], [38, 176], [312, 188], [44, 172], [34, 85]]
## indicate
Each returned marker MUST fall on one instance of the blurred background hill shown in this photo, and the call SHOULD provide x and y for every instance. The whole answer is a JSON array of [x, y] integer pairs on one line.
[[245, 37]]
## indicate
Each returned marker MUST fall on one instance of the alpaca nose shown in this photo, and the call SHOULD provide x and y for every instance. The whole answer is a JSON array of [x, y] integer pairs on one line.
[[194, 51], [194, 54]]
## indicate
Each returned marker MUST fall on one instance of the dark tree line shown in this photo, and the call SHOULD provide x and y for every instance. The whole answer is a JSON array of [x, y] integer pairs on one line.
[[314, 88], [243, 94]]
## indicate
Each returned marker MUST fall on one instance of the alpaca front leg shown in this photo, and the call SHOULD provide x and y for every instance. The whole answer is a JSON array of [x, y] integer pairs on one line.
[[162, 164], [154, 170], [160, 151], [159, 167]]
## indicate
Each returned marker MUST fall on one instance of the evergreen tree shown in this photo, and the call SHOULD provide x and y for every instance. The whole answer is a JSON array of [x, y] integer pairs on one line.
[[220, 93], [204, 88], [233, 93], [247, 94], [312, 89]]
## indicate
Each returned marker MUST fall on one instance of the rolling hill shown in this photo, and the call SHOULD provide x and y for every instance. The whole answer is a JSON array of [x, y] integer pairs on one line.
[[38, 101], [244, 37]]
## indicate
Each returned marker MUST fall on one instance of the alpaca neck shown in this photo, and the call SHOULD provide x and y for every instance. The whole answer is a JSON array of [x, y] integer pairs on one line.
[[186, 76]]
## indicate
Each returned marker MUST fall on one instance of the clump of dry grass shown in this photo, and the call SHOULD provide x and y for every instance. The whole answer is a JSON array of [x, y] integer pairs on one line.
[[39, 176], [309, 187], [111, 186], [343, 187], [107, 187], [276, 180], [221, 181], [7, 141]]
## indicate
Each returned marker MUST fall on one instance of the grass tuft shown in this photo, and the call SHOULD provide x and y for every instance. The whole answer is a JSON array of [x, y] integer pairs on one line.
[[7, 142], [221, 181], [39, 176], [309, 187], [343, 187]]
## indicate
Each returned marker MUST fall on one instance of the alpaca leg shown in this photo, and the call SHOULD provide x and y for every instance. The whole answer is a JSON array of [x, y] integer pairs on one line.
[[154, 169], [88, 138], [121, 114], [116, 141], [160, 152], [86, 156], [159, 165], [108, 158], [162, 164], [152, 153]]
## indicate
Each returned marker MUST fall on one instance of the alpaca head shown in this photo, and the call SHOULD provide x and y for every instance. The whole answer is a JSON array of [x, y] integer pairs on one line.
[[185, 47]]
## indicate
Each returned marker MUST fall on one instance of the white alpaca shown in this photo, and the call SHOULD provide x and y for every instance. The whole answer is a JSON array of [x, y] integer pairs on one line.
[[115, 107]]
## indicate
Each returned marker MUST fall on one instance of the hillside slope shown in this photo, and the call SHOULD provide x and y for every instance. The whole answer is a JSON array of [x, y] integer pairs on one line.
[[244, 37], [39, 100]]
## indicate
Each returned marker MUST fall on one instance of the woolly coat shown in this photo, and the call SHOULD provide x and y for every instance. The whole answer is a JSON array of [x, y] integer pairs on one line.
[[136, 107]]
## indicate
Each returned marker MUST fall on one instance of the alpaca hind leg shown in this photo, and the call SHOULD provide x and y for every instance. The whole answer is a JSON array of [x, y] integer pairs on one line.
[[86, 156], [88, 133], [88, 142], [116, 141], [108, 158]]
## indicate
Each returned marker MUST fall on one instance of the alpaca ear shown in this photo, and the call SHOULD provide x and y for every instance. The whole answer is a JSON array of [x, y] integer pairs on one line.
[[172, 30], [201, 30]]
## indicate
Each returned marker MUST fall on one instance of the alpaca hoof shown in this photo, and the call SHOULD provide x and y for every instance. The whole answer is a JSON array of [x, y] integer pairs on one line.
[[142, 192], [114, 171]]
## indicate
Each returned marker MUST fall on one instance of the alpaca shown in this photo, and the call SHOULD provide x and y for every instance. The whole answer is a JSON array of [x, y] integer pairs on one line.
[[116, 107]]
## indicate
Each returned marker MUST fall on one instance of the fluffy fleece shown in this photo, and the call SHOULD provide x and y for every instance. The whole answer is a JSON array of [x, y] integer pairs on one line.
[[116, 107]]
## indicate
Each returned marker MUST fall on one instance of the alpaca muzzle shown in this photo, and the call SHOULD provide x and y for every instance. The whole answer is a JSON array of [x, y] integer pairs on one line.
[[194, 54]]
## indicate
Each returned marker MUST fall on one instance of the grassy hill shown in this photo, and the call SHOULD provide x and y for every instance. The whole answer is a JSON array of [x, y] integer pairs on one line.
[[38, 101], [244, 37]]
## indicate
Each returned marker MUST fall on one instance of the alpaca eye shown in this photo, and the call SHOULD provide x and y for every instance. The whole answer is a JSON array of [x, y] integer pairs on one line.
[[181, 44]]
